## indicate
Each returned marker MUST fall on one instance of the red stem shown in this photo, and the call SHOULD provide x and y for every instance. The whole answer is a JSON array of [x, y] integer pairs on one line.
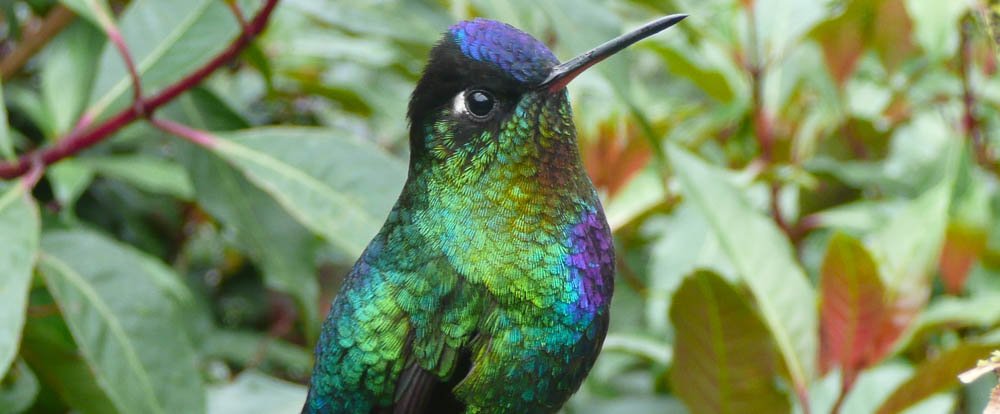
[[116, 38], [970, 124], [79, 140]]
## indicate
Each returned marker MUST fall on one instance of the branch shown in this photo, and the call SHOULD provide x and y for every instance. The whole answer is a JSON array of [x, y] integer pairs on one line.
[[970, 124], [81, 138], [54, 22]]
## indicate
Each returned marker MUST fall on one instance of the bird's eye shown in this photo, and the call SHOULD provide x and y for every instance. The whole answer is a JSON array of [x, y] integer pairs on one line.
[[480, 103]]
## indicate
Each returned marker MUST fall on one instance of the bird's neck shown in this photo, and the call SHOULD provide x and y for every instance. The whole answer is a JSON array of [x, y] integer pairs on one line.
[[520, 198]]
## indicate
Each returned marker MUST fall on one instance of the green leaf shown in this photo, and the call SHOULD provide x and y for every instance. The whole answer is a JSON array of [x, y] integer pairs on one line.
[[907, 257], [93, 10], [687, 243], [642, 194], [258, 350], [19, 229], [155, 175], [654, 350], [255, 393], [6, 142], [68, 72], [872, 387], [782, 23], [343, 195], [724, 360], [69, 179], [950, 313], [167, 39], [937, 25], [282, 248], [763, 258], [936, 375], [52, 354], [683, 61], [121, 307], [19, 390]]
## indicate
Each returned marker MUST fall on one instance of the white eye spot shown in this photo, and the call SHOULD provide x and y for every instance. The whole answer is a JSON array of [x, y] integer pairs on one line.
[[458, 104]]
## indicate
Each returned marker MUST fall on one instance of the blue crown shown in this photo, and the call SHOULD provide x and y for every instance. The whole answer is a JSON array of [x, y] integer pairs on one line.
[[515, 52]]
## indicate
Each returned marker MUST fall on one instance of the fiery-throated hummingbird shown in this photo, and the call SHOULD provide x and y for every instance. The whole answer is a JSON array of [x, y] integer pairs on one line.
[[487, 288]]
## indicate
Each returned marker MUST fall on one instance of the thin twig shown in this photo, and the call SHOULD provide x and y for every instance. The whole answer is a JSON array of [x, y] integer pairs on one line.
[[970, 124], [116, 39], [36, 39], [82, 138], [107, 23], [234, 6], [30, 180], [754, 65]]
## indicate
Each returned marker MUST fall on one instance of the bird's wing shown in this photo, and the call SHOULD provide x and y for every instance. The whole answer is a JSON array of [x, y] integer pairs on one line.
[[395, 333]]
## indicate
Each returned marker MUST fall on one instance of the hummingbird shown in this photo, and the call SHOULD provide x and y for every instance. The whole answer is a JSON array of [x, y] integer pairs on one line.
[[487, 290]]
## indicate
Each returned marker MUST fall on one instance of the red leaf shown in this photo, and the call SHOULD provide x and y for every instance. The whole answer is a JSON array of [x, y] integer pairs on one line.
[[615, 155], [962, 247], [901, 309], [852, 310], [883, 24]]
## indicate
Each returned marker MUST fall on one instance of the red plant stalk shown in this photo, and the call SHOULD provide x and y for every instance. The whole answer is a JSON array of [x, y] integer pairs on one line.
[[83, 138]]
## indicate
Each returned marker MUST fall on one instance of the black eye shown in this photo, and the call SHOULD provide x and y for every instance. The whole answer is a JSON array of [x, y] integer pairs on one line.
[[480, 103]]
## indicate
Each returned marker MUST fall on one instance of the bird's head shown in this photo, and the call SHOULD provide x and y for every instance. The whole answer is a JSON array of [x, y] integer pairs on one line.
[[491, 92]]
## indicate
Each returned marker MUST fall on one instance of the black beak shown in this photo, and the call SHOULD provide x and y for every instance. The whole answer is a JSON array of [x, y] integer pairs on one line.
[[562, 74]]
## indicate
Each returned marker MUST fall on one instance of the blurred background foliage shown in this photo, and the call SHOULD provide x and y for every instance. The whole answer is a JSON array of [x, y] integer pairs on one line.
[[803, 195]]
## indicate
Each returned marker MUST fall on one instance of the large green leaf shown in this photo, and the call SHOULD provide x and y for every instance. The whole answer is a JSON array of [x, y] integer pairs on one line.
[[155, 175], [763, 258], [54, 357], [19, 228], [167, 39], [121, 307], [724, 360], [68, 73], [255, 393], [338, 187], [282, 248]]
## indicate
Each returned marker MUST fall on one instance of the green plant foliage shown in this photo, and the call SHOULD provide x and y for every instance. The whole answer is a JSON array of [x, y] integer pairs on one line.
[[762, 258], [724, 361], [121, 308], [803, 196], [19, 230]]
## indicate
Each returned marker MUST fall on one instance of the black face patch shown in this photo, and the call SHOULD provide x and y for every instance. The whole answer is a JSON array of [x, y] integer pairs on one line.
[[448, 73]]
